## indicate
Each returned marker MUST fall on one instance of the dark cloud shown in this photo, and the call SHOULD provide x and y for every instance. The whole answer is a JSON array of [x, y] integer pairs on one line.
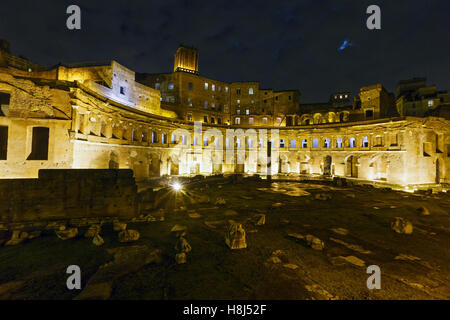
[[285, 44]]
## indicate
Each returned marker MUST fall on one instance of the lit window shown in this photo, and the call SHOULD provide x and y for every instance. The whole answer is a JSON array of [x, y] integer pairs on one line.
[[278, 120], [249, 143], [216, 141], [174, 139], [293, 143], [260, 144], [189, 101], [351, 143], [250, 91], [238, 101], [238, 142], [213, 105], [189, 117], [430, 103], [247, 111], [170, 86], [213, 87], [237, 121], [226, 89], [238, 111], [227, 142], [264, 120], [315, 143], [326, 143], [340, 96], [253, 101], [206, 85], [194, 141], [157, 85], [219, 88], [206, 104], [183, 140], [163, 138], [250, 120], [225, 109], [339, 143], [205, 142]]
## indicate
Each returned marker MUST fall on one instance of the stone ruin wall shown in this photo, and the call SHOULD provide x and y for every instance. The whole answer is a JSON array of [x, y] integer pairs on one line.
[[60, 194]]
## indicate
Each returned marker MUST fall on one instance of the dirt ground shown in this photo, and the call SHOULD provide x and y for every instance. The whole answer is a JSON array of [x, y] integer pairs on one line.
[[355, 223]]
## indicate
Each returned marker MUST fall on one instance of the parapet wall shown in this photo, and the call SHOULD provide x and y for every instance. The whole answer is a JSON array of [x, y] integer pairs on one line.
[[69, 194]]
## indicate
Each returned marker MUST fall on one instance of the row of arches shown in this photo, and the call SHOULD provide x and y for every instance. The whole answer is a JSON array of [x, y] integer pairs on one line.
[[328, 117]]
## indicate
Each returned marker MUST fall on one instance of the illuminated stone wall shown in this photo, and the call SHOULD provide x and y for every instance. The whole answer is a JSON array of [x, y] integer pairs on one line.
[[89, 129]]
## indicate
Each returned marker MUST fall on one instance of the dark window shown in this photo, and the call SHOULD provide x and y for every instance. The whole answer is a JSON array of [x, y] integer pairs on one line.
[[238, 91], [3, 142], [369, 114], [212, 119], [39, 144], [219, 121], [4, 104], [122, 90], [289, 121], [191, 86], [205, 119]]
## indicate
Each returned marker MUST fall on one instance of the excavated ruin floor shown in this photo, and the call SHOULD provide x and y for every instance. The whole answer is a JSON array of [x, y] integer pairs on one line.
[[355, 222]]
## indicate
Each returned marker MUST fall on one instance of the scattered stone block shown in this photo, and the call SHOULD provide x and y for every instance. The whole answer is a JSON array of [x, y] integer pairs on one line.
[[274, 259], [401, 225], [194, 215], [235, 237], [260, 219], [314, 242], [277, 204], [181, 258], [34, 234], [423, 211], [183, 246], [220, 201], [290, 266], [179, 230], [203, 199], [322, 196], [119, 226], [341, 231], [17, 238], [92, 231], [230, 213], [351, 195], [66, 234], [354, 260], [128, 235], [98, 240]]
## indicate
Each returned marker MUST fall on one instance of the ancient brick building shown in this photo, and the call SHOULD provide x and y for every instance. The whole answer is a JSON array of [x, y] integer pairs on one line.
[[104, 116]]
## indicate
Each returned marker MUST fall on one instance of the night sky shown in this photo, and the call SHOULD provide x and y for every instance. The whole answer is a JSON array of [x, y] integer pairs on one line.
[[282, 44]]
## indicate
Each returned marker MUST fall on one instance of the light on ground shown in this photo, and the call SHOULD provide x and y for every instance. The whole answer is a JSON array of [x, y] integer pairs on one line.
[[176, 186]]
